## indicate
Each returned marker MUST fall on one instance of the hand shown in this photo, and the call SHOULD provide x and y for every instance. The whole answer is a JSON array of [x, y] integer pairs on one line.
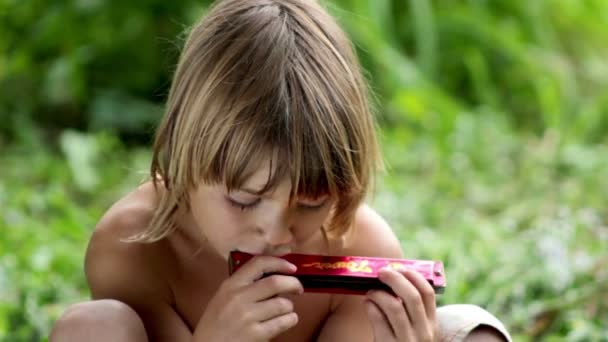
[[247, 307], [409, 315]]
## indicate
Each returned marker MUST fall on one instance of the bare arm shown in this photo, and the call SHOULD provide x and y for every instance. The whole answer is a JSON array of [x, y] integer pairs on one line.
[[349, 320], [122, 271]]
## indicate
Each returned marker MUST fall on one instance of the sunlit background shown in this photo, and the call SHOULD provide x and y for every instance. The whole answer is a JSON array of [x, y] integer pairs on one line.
[[493, 117]]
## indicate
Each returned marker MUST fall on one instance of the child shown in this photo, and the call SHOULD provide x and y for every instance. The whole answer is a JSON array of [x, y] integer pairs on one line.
[[268, 147]]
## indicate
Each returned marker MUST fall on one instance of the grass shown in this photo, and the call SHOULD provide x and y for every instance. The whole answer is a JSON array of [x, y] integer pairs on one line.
[[519, 222]]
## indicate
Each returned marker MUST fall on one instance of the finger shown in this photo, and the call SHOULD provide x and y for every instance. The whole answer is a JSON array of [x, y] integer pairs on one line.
[[380, 324], [259, 265], [392, 307], [412, 299], [426, 291], [269, 329], [272, 286], [270, 308]]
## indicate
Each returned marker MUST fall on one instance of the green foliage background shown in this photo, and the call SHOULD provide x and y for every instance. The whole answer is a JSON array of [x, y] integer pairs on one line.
[[493, 119]]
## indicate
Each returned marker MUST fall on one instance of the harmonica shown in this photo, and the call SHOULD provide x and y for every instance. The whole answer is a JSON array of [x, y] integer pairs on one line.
[[348, 274]]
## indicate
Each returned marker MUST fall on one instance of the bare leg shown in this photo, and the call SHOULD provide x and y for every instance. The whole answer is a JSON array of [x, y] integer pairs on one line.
[[99, 320]]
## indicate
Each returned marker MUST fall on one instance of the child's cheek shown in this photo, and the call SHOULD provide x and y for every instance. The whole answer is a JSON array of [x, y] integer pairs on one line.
[[308, 225]]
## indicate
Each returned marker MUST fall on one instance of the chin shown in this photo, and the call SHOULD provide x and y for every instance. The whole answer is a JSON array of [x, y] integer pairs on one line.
[[223, 253]]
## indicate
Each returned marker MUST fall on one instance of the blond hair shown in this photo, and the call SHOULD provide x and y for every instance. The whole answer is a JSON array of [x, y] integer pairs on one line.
[[260, 76]]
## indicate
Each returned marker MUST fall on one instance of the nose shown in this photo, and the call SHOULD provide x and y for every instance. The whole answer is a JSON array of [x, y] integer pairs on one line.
[[279, 236], [276, 230], [276, 223]]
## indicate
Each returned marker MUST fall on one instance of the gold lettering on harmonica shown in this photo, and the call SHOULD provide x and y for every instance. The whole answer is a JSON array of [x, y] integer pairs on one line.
[[352, 266], [397, 266]]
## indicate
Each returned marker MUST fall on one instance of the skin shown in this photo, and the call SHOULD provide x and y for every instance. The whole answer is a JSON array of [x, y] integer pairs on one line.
[[180, 287]]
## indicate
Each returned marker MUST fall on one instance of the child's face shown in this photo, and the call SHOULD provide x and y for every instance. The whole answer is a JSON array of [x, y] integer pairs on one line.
[[253, 223]]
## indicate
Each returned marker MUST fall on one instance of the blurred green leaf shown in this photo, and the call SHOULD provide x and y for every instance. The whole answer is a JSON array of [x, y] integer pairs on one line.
[[80, 151]]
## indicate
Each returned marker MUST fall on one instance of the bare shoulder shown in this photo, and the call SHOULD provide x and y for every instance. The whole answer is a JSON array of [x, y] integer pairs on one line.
[[371, 236], [124, 270], [137, 274]]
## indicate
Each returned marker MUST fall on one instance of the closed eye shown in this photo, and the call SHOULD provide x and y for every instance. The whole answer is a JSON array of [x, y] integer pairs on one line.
[[244, 206], [308, 206]]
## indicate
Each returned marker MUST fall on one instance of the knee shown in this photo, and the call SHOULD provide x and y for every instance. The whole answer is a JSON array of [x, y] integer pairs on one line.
[[99, 320], [483, 325]]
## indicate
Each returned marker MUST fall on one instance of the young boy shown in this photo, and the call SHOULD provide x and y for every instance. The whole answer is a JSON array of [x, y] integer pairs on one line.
[[268, 147]]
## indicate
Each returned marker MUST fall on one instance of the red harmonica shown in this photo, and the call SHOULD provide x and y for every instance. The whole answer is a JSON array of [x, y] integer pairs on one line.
[[348, 274]]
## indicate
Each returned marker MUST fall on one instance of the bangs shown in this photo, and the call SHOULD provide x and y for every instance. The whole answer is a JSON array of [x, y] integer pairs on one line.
[[272, 136]]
